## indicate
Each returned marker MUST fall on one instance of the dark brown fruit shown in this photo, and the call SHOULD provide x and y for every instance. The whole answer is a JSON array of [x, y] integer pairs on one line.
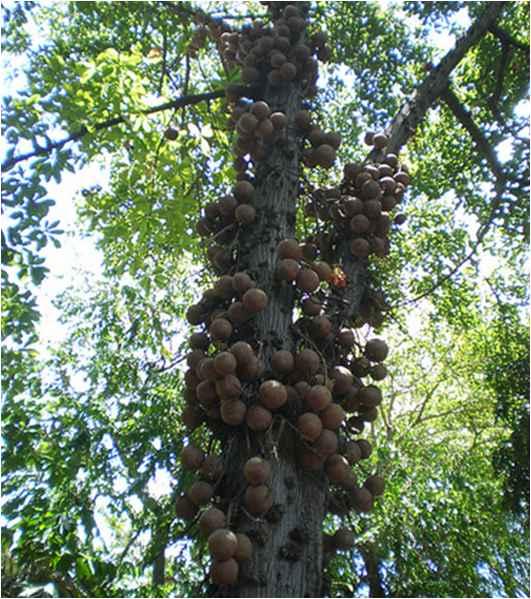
[[243, 191], [200, 493], [344, 539], [376, 350], [287, 270], [337, 468], [282, 362], [171, 134], [343, 379], [199, 341], [229, 387], [191, 457], [400, 219], [288, 71], [247, 123], [303, 118], [318, 398], [237, 313], [272, 394], [345, 337], [352, 452], [244, 551], [245, 214], [360, 247], [258, 418], [365, 448], [311, 306], [310, 426], [233, 412], [378, 372], [375, 485], [323, 270], [332, 417], [362, 499], [388, 203], [380, 140], [359, 224], [224, 573], [307, 280], [185, 509], [242, 351], [289, 248], [258, 500], [212, 519], [220, 329], [254, 300], [222, 544], [321, 327], [256, 471], [241, 282], [352, 206], [325, 155], [206, 392]]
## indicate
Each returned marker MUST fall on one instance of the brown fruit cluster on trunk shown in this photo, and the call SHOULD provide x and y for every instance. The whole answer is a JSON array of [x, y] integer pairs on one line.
[[276, 369]]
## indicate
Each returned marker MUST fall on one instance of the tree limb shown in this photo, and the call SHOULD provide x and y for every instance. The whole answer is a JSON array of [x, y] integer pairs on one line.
[[186, 100], [507, 38], [482, 144], [413, 111]]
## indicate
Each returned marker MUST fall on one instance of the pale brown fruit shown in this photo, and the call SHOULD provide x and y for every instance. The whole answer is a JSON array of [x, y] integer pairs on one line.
[[307, 362], [211, 519], [244, 551], [289, 248], [222, 544], [225, 363], [233, 412], [273, 394], [287, 270], [326, 444], [258, 500], [323, 270], [192, 457], [254, 300], [332, 417], [307, 280], [279, 120], [256, 471], [337, 468], [200, 493], [318, 398], [261, 109], [220, 329], [224, 573], [282, 362]]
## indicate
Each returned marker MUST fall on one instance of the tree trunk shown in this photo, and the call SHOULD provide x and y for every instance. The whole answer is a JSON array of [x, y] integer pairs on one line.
[[287, 559], [372, 567]]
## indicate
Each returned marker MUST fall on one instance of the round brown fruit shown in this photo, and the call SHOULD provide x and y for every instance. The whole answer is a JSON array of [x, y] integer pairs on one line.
[[310, 426], [362, 499], [360, 247], [211, 519], [225, 363], [378, 372], [256, 471], [289, 248], [224, 573], [321, 327], [311, 306], [337, 468], [199, 341], [260, 110], [318, 398], [258, 500], [376, 350], [282, 362], [243, 191], [222, 544], [191, 417], [192, 457], [288, 71], [345, 337], [244, 551], [258, 418], [343, 379], [242, 282], [325, 155], [185, 509], [344, 539], [307, 280], [287, 270], [323, 270], [380, 140], [242, 351], [352, 452], [332, 417], [359, 224], [245, 214], [247, 123], [200, 493], [307, 362], [375, 484], [302, 118], [326, 444], [220, 329], [279, 120], [370, 396], [254, 300], [272, 394], [365, 448], [233, 412]]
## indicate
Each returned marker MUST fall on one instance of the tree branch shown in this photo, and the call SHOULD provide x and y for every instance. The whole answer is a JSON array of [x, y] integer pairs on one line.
[[413, 111], [482, 144], [507, 38], [187, 100]]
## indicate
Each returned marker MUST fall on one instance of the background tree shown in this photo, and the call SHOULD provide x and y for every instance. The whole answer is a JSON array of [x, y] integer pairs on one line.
[[90, 78]]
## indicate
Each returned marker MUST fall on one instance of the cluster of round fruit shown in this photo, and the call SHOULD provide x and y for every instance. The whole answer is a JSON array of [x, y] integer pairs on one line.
[[279, 53]]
